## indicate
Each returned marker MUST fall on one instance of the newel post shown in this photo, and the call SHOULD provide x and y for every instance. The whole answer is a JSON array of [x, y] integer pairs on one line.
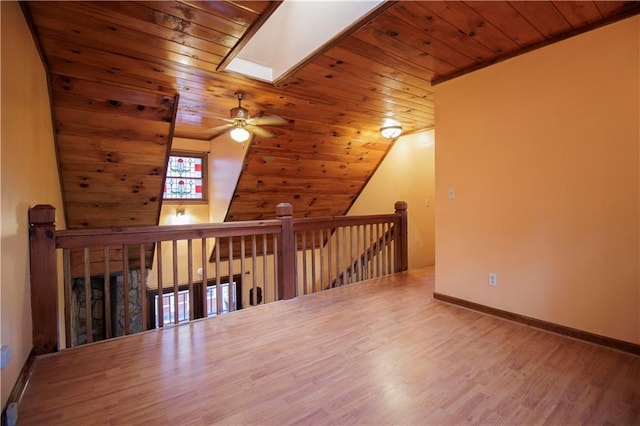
[[44, 278], [402, 242], [286, 253]]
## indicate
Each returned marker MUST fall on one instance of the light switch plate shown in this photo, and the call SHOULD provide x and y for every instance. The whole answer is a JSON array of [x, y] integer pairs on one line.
[[5, 356]]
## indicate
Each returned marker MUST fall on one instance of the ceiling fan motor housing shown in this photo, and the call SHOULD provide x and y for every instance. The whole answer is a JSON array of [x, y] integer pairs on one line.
[[239, 113]]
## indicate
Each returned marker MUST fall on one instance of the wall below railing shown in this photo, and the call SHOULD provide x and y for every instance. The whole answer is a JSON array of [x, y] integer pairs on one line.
[[106, 295]]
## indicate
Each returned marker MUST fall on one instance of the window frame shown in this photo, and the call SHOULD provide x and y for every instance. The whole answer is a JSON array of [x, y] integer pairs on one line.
[[198, 305], [203, 156]]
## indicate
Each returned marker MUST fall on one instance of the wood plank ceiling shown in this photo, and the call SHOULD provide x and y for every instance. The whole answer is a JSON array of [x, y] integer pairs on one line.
[[119, 72]]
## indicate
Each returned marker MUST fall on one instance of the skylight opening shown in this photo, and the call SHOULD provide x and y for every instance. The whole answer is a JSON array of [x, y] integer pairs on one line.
[[296, 30]]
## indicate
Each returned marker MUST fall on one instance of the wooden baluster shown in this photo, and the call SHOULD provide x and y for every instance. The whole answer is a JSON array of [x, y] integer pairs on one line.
[[190, 279], [304, 262], [205, 278], [295, 261], [87, 295], [143, 288], [286, 255], [330, 280], [66, 260], [44, 273], [265, 251], [159, 304], [252, 300], [372, 251], [337, 235], [345, 257], [322, 246], [389, 250], [313, 261], [381, 247], [378, 256], [106, 288], [365, 263], [276, 272], [402, 250], [125, 289], [387, 258], [359, 253], [230, 287], [254, 269], [176, 288], [218, 287], [352, 265], [391, 268]]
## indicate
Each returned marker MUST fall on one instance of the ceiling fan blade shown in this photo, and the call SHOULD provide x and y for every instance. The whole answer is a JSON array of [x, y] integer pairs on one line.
[[259, 131], [217, 131], [267, 120], [228, 120]]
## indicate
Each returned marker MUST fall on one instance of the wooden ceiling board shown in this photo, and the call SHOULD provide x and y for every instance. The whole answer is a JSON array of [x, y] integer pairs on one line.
[[508, 20], [440, 29], [166, 25], [117, 68], [469, 22], [411, 33], [384, 72], [578, 14], [543, 16], [612, 8], [390, 44], [105, 16], [353, 147], [370, 81]]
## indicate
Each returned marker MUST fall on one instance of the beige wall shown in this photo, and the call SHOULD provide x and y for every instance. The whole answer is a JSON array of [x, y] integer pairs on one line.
[[29, 177], [543, 153], [406, 174]]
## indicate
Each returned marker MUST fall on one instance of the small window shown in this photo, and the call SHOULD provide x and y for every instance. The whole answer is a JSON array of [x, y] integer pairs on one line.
[[186, 177], [230, 302]]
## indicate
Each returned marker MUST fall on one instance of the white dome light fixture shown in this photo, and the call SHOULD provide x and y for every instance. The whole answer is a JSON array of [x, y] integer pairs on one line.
[[391, 132], [240, 134]]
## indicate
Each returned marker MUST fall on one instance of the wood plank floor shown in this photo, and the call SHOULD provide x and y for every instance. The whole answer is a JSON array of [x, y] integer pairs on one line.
[[380, 352]]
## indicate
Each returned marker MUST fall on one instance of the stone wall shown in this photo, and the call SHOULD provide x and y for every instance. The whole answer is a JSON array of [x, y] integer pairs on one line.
[[98, 318]]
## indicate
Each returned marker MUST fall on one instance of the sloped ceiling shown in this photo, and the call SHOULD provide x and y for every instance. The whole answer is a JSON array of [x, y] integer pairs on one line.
[[120, 71]]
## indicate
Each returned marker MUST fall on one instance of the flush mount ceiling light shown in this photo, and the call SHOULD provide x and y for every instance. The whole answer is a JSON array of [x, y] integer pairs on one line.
[[391, 132]]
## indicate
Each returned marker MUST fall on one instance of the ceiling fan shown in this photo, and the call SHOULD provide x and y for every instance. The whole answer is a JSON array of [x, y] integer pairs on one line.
[[241, 126]]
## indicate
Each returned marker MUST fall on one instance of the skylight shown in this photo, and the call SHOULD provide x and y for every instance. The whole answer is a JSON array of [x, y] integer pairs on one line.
[[293, 32]]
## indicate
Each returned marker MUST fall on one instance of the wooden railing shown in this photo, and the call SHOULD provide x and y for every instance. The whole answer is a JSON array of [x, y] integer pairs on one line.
[[111, 277]]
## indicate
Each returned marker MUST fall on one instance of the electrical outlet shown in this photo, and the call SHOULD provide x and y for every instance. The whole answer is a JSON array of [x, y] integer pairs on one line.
[[451, 193], [493, 280]]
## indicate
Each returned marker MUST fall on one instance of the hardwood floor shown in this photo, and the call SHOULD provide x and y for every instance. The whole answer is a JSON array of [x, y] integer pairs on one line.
[[380, 352]]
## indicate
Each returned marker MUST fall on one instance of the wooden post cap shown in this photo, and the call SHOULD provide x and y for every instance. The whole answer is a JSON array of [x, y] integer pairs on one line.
[[401, 205], [284, 210], [42, 214]]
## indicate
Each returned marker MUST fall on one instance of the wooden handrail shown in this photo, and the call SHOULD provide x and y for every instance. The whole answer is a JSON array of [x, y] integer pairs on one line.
[[308, 224], [78, 238], [44, 240]]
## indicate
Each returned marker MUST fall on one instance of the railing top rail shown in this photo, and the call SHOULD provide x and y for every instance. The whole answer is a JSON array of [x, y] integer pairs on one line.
[[78, 238], [305, 224]]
